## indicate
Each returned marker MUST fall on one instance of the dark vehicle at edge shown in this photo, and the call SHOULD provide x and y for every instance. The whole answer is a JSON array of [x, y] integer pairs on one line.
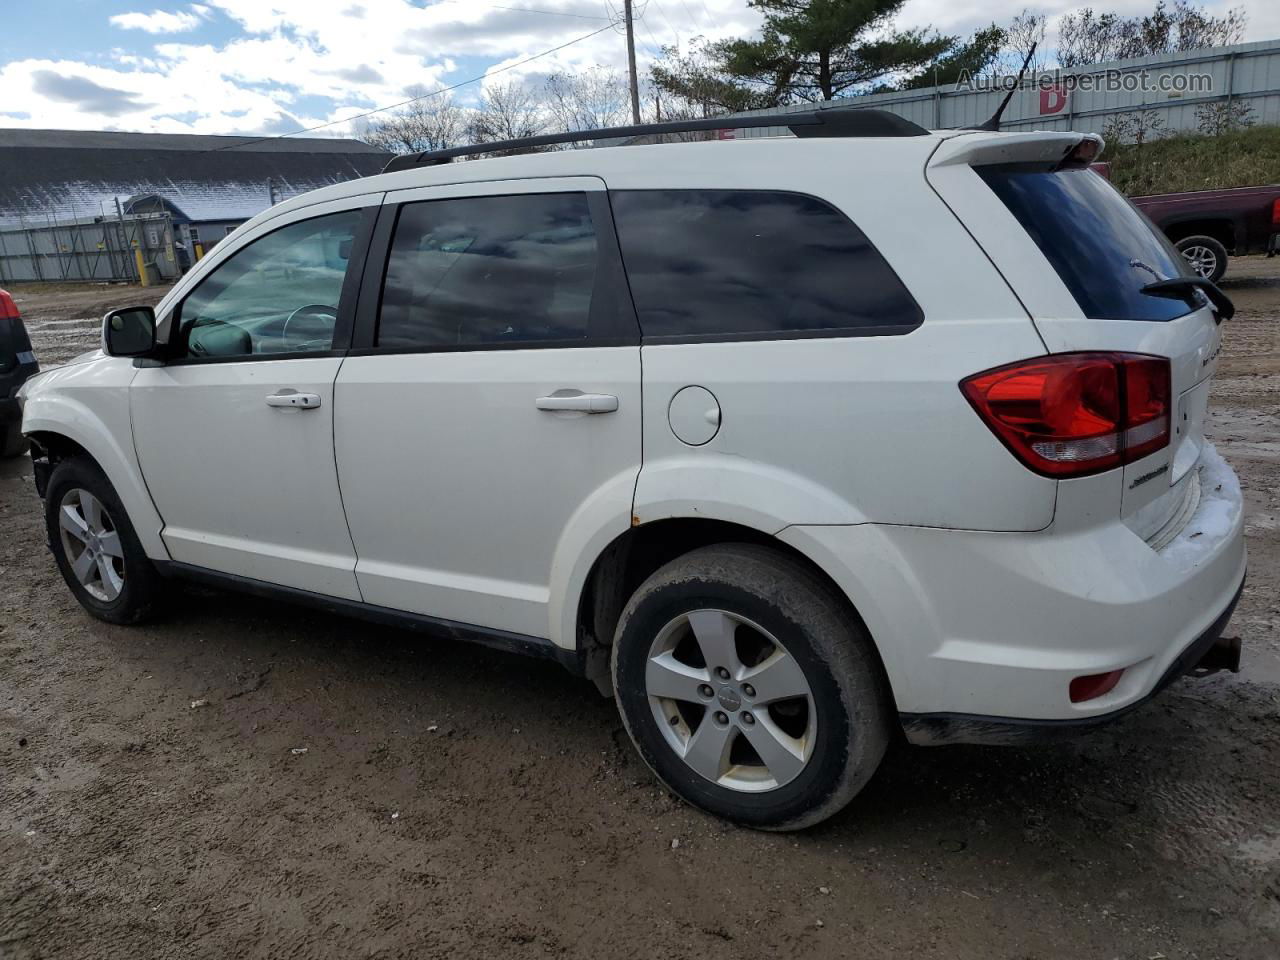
[[17, 365]]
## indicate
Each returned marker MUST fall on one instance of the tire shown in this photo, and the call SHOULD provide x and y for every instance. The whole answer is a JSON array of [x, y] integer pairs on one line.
[[127, 589], [12, 442], [776, 615], [1207, 256]]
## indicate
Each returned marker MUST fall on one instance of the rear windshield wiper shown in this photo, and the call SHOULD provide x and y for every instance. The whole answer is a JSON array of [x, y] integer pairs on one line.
[[1182, 288]]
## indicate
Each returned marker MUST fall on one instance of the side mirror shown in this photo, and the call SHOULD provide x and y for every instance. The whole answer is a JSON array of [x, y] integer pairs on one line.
[[129, 332]]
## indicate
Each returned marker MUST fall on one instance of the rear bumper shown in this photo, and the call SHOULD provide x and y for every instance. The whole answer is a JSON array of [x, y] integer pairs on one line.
[[936, 729], [993, 627]]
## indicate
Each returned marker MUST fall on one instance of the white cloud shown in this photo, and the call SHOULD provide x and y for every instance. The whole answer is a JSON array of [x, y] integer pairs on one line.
[[161, 21], [325, 60]]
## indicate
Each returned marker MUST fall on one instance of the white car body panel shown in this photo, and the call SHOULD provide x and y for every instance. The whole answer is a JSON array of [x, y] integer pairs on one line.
[[245, 488], [457, 501], [1005, 621], [202, 429], [515, 500], [763, 468], [89, 403]]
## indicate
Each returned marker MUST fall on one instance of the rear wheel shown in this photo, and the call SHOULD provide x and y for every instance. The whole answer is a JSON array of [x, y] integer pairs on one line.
[[749, 689], [1206, 256], [95, 546]]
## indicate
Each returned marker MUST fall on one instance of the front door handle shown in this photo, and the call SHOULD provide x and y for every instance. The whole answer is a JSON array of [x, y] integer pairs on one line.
[[580, 402], [304, 401]]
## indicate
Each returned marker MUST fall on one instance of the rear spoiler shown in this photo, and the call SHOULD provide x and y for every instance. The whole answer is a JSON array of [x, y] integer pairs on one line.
[[1047, 147]]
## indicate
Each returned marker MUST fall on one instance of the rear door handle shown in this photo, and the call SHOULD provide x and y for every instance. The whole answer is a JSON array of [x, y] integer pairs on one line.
[[305, 401], [580, 402]]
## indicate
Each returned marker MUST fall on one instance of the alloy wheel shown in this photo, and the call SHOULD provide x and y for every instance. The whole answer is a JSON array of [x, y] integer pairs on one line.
[[91, 544], [731, 701], [1203, 260]]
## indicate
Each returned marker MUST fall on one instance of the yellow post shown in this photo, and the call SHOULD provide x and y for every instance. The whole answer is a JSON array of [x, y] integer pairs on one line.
[[199, 252], [142, 267]]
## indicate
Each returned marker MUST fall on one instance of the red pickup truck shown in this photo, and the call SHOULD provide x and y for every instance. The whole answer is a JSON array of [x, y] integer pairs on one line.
[[1208, 224]]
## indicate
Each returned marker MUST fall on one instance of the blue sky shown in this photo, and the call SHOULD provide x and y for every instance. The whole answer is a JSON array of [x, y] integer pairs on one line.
[[275, 66]]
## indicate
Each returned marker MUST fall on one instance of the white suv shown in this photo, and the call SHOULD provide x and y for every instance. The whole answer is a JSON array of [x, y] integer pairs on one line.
[[793, 443]]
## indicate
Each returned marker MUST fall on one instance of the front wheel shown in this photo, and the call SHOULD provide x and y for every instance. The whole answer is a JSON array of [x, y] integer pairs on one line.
[[95, 546], [1206, 256], [749, 688]]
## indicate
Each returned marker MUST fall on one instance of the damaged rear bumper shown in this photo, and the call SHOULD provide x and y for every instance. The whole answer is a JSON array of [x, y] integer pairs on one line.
[[1208, 653]]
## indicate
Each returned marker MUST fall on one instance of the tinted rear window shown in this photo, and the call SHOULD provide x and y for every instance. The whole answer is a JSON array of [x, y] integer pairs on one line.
[[1104, 250], [728, 263], [489, 271]]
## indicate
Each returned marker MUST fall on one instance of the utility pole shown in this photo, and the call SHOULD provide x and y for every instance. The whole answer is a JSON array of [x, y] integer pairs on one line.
[[631, 62]]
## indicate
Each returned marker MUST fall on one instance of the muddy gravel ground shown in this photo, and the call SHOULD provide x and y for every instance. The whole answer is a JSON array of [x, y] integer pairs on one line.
[[352, 791]]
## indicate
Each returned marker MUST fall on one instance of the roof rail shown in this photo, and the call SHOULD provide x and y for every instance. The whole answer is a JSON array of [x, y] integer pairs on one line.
[[822, 122]]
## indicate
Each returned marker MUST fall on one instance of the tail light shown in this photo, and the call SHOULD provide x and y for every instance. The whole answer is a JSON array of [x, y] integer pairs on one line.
[[1275, 213], [8, 309], [1073, 414]]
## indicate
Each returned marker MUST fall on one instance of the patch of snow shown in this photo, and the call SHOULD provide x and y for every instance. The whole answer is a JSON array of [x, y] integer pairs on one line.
[[1220, 505]]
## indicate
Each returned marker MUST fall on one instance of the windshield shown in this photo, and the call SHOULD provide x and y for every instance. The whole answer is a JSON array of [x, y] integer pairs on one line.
[[1104, 250]]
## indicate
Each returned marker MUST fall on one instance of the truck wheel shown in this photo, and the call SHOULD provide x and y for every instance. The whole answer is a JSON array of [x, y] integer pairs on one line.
[[12, 442], [749, 688], [1207, 257], [94, 544]]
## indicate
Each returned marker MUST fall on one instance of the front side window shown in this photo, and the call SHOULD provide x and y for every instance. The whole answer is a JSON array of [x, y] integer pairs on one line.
[[489, 271], [730, 263], [278, 295], [1104, 250]]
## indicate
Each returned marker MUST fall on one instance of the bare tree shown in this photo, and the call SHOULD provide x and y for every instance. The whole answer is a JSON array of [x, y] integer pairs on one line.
[[433, 122], [1215, 119], [590, 100], [1086, 37], [507, 111], [1025, 29], [1136, 127]]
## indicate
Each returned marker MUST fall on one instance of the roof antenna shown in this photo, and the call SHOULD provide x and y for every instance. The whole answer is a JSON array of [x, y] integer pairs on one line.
[[994, 123]]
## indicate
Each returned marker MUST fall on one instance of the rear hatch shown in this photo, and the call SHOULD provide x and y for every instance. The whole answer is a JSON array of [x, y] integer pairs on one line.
[[1078, 254]]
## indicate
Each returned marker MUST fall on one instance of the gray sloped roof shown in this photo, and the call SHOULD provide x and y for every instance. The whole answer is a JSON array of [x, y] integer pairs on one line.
[[72, 175]]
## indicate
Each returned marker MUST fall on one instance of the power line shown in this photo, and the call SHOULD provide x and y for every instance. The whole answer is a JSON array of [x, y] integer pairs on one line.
[[697, 24], [668, 19], [369, 113], [657, 55], [433, 93]]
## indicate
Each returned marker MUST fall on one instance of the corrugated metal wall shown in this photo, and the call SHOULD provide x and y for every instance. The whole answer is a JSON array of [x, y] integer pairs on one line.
[[94, 251], [1248, 72]]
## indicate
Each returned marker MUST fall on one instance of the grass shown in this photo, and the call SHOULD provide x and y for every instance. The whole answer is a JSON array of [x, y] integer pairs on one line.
[[1173, 164]]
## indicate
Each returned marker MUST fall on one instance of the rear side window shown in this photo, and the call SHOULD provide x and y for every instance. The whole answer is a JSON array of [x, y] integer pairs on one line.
[[726, 264], [1104, 250], [489, 271]]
